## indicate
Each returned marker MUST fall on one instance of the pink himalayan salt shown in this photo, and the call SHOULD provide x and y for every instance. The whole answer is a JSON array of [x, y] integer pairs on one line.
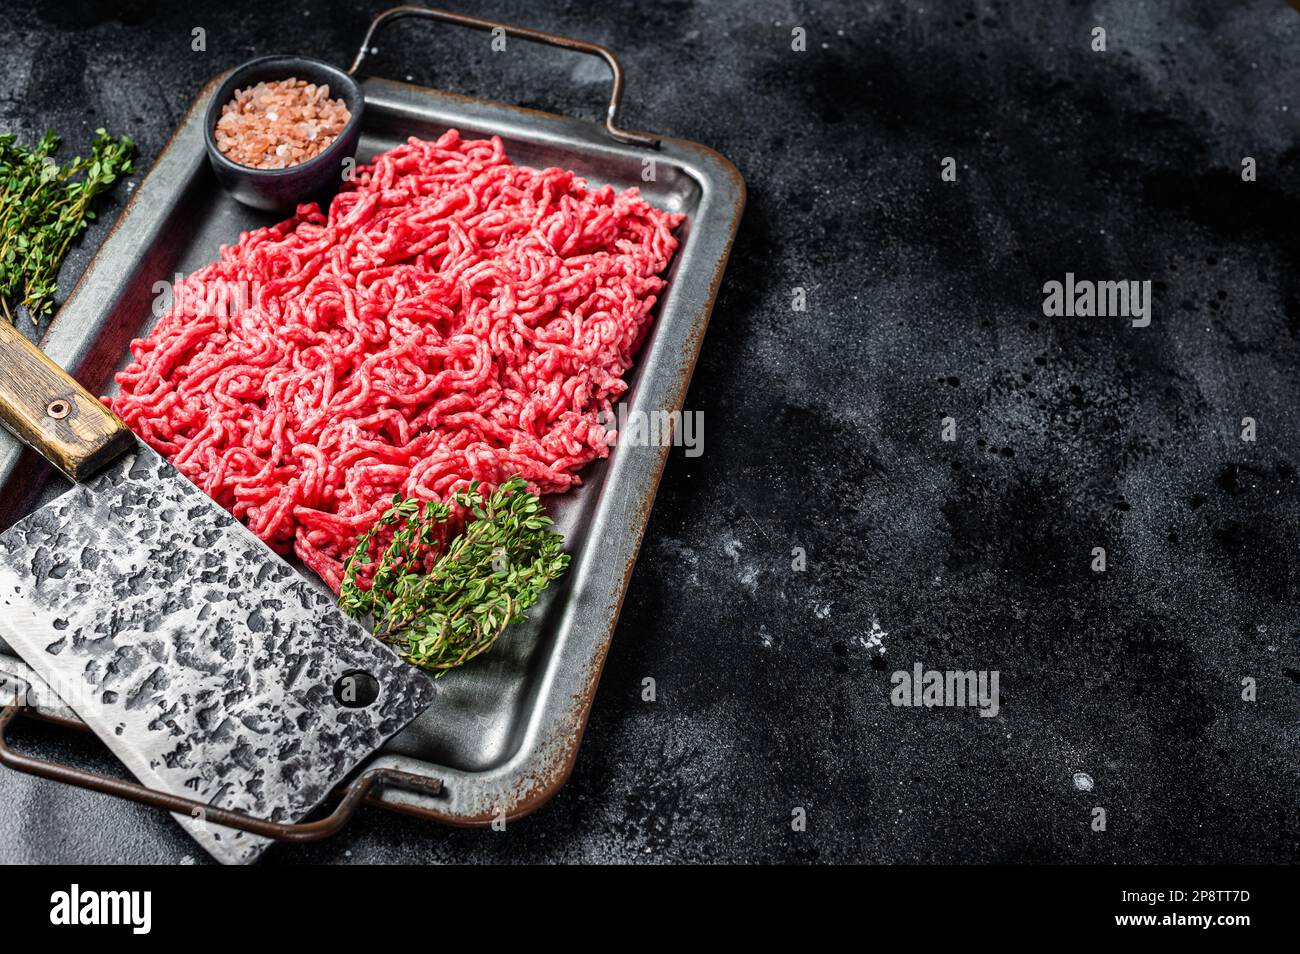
[[279, 124]]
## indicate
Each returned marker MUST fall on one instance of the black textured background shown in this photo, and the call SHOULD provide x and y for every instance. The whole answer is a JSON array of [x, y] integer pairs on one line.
[[822, 427]]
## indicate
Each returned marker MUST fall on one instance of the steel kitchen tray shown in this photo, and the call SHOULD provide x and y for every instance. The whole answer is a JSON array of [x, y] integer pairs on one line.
[[503, 733]]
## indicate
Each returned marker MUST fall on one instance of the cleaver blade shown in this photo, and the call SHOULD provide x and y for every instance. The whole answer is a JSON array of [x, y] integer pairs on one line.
[[206, 663]]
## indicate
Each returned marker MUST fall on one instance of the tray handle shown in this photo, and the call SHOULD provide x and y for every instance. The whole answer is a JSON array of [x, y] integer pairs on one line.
[[523, 33], [350, 797]]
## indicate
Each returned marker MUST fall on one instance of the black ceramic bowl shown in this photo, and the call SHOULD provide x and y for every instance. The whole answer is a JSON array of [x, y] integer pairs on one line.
[[279, 190]]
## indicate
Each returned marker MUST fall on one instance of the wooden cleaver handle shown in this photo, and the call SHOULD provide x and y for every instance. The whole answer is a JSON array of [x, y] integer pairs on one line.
[[45, 408]]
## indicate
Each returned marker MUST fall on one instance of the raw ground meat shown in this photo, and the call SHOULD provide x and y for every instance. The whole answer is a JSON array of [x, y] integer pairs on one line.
[[454, 317]]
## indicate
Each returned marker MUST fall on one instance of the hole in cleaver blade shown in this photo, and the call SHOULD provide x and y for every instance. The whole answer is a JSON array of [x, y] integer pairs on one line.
[[202, 660]]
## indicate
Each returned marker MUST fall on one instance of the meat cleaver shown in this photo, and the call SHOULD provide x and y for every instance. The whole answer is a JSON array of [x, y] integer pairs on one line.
[[206, 663]]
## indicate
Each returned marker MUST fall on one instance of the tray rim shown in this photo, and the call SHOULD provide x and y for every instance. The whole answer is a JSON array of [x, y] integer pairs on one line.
[[535, 771]]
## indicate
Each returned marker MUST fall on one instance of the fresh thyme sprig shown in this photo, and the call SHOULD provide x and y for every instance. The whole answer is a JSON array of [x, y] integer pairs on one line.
[[490, 576], [43, 207]]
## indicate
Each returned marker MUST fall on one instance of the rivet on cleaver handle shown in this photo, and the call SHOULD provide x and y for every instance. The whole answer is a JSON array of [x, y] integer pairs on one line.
[[49, 411]]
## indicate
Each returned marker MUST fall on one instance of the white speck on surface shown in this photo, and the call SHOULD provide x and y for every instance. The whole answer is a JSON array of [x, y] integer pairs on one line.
[[822, 610], [876, 638], [589, 70], [746, 575]]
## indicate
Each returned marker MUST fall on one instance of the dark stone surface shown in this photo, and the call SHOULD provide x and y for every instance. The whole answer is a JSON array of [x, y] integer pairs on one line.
[[823, 428]]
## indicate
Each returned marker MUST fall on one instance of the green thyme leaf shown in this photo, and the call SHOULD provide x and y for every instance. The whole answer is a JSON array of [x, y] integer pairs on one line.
[[488, 578], [43, 207]]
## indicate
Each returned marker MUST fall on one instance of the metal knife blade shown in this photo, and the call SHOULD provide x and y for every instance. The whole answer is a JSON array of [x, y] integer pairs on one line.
[[205, 662]]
